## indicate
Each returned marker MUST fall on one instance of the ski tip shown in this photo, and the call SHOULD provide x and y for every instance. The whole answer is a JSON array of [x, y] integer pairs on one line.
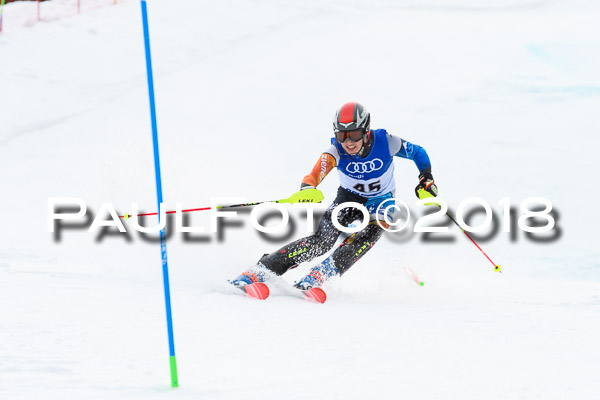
[[316, 294], [257, 290]]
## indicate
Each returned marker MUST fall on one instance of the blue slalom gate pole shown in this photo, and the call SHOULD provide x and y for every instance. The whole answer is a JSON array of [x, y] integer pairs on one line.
[[163, 243]]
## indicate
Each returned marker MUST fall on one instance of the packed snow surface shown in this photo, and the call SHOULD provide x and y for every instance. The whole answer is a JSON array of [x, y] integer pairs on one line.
[[504, 96]]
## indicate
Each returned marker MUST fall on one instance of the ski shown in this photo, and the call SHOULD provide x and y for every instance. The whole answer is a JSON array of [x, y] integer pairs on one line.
[[315, 294], [260, 291], [256, 290]]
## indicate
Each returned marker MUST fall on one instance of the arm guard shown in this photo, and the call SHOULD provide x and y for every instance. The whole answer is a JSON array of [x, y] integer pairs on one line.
[[323, 166]]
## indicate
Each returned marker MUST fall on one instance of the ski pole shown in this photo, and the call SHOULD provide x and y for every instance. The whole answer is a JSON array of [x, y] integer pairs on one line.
[[414, 276], [497, 267], [303, 196]]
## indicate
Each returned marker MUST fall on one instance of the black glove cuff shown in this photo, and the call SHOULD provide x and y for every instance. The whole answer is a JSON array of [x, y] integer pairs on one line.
[[425, 175]]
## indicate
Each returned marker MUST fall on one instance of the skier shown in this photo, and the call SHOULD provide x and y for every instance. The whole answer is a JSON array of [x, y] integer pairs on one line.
[[364, 159]]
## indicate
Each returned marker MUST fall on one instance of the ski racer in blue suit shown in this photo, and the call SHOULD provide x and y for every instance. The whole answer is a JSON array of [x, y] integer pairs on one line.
[[364, 159]]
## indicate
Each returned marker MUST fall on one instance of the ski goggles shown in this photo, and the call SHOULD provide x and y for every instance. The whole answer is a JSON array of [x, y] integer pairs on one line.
[[354, 136]]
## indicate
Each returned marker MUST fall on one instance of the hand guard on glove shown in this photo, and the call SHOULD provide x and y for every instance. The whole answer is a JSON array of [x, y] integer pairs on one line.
[[426, 187], [306, 194]]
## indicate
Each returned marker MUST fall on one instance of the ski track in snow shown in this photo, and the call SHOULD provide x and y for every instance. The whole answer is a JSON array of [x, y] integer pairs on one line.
[[503, 96]]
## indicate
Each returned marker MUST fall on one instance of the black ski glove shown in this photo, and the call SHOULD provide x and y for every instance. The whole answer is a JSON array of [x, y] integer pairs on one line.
[[426, 187]]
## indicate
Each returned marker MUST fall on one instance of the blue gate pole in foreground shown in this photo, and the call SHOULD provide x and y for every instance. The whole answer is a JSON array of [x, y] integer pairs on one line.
[[163, 243]]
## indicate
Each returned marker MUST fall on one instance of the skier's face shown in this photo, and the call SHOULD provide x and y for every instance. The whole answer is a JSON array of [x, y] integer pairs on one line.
[[351, 147]]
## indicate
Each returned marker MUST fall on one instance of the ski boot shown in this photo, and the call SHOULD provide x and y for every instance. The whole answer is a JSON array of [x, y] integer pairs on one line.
[[318, 275], [252, 282]]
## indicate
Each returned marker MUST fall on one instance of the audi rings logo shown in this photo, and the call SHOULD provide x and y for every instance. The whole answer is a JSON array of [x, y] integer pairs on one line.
[[364, 167]]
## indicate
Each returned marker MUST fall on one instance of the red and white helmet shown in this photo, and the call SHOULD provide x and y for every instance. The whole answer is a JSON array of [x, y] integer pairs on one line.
[[351, 117]]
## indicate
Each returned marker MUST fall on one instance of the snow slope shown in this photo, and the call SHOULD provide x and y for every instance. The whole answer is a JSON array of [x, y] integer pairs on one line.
[[502, 94]]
